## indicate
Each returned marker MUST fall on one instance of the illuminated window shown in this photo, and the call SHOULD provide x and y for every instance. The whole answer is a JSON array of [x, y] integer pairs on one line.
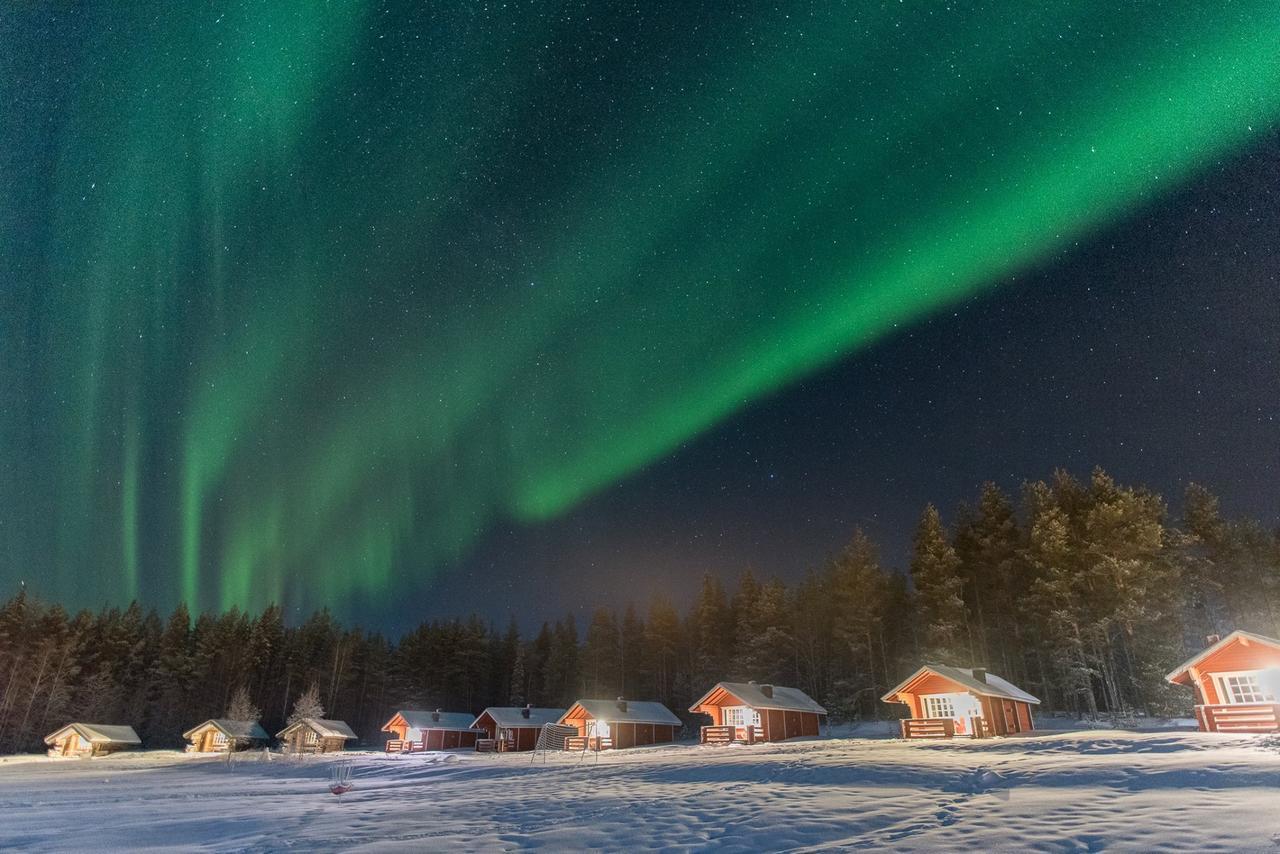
[[740, 716], [1244, 688], [939, 707], [309, 737], [600, 728], [219, 740]]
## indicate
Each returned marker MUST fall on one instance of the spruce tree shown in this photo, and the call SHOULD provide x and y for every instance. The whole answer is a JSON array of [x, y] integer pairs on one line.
[[935, 570]]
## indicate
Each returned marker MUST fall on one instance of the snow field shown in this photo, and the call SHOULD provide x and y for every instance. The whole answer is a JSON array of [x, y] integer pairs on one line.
[[1080, 791]]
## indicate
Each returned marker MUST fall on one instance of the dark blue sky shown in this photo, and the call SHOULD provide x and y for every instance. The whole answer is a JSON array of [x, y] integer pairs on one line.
[[1152, 350]]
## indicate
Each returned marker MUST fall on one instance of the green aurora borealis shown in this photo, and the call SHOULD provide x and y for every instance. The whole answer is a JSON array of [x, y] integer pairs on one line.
[[299, 299]]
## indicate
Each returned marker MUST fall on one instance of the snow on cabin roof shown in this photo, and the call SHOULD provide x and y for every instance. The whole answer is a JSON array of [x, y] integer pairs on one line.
[[322, 727], [512, 717], [783, 699], [1235, 636], [636, 712], [993, 686], [451, 721], [99, 733], [231, 729]]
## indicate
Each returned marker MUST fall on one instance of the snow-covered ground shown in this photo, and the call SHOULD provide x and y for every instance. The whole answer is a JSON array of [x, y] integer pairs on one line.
[[1075, 791]]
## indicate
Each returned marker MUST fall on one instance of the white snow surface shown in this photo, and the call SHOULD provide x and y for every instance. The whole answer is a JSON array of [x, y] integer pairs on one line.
[[1077, 791]]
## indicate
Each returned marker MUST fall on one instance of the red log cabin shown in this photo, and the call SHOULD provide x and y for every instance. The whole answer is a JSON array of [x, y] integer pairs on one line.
[[944, 702], [415, 731], [1236, 681], [747, 712], [512, 728], [604, 724]]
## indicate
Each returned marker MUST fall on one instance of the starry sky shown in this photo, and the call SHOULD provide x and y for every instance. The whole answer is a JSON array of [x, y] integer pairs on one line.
[[415, 309]]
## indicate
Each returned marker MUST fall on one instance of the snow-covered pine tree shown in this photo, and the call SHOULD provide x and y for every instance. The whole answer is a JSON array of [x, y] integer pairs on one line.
[[307, 705], [935, 569], [518, 678], [241, 707]]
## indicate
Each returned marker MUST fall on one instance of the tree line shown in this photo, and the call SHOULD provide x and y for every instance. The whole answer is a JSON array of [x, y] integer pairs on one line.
[[1083, 593]]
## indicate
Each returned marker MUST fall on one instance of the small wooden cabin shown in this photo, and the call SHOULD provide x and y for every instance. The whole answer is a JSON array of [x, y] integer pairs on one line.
[[1236, 682], [605, 724], [91, 739], [315, 735], [513, 728], [219, 735], [748, 713], [944, 702], [416, 731]]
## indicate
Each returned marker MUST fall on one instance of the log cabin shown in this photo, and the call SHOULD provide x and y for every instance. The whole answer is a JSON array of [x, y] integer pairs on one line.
[[1236, 683], [617, 724], [81, 740], [512, 728], [944, 702], [219, 735], [315, 735], [415, 731], [747, 712]]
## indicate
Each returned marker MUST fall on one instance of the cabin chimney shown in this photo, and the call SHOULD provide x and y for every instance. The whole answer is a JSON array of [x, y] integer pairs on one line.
[[524, 713], [1210, 640], [435, 716], [622, 705], [980, 673], [767, 690]]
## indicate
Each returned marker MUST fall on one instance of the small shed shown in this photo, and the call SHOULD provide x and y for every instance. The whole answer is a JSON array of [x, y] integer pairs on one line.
[[219, 735], [91, 739], [513, 728], [945, 701], [750, 712], [315, 735], [604, 724], [415, 730], [1236, 683]]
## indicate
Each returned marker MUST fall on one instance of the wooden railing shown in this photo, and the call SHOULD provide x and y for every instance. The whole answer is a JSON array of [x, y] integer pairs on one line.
[[1251, 717], [928, 728], [585, 742], [729, 734], [396, 745]]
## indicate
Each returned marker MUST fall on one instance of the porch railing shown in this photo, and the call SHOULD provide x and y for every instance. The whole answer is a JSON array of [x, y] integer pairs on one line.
[[1242, 717], [729, 734], [943, 728]]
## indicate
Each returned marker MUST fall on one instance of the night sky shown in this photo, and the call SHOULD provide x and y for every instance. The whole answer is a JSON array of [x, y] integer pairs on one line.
[[416, 309]]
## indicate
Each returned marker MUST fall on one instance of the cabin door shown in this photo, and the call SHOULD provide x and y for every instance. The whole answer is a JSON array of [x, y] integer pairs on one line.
[[1010, 717]]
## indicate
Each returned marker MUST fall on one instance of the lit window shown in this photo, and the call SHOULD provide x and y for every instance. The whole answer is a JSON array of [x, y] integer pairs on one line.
[[600, 729], [740, 716], [939, 707], [1244, 688], [309, 737]]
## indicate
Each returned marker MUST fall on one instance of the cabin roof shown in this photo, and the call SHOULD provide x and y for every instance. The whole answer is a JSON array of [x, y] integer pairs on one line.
[[231, 729], [98, 733], [322, 727], [419, 720], [783, 699], [1235, 637], [512, 717], [639, 712], [994, 686]]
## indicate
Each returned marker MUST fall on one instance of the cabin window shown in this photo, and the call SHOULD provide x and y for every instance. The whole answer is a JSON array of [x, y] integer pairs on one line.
[[939, 707], [1239, 688], [219, 740], [599, 729], [742, 716], [309, 737]]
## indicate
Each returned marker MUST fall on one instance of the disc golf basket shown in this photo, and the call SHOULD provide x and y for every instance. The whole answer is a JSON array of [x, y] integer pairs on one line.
[[340, 779]]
